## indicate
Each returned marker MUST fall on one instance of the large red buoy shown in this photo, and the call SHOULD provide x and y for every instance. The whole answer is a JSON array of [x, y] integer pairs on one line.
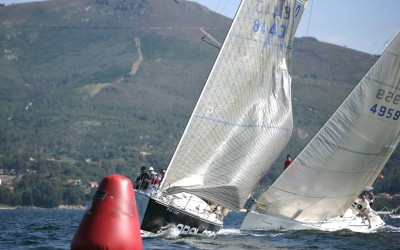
[[112, 222]]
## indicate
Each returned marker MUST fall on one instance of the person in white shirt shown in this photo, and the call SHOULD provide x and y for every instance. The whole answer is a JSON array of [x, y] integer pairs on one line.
[[366, 209]]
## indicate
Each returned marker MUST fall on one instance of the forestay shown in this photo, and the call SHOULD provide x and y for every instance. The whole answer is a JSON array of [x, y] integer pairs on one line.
[[243, 118], [347, 154]]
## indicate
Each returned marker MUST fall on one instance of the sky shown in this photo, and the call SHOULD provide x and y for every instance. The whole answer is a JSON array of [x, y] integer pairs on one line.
[[364, 25]]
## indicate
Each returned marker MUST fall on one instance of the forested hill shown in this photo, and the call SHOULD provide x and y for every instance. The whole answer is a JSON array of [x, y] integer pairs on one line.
[[104, 86]]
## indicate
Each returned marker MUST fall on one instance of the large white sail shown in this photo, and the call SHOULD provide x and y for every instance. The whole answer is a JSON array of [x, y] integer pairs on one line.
[[347, 154], [243, 118]]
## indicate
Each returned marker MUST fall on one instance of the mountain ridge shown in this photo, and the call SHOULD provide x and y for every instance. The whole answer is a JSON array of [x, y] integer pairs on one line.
[[71, 89]]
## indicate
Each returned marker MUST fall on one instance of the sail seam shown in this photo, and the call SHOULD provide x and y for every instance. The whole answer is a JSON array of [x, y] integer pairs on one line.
[[382, 83], [349, 150], [311, 196], [280, 45], [238, 125]]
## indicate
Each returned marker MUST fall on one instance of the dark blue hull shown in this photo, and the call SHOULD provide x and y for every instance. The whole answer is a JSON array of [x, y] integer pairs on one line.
[[154, 215]]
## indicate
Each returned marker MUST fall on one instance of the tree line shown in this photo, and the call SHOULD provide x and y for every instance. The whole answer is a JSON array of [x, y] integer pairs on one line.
[[49, 183]]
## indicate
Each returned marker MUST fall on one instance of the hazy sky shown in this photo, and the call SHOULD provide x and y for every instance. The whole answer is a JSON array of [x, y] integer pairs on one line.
[[364, 25]]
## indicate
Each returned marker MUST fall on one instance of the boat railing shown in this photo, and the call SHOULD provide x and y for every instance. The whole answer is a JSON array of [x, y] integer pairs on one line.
[[396, 210], [198, 208], [384, 213]]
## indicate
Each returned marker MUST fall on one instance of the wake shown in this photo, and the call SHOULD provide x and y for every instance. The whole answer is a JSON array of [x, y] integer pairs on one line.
[[389, 229]]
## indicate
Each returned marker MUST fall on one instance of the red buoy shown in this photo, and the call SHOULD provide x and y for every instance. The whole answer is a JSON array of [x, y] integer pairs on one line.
[[112, 222]]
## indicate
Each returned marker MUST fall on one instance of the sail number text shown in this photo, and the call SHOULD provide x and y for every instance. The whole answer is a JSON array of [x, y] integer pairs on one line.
[[388, 97], [384, 111], [259, 26], [278, 14], [285, 12]]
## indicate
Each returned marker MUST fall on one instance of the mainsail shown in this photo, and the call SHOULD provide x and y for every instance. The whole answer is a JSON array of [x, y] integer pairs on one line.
[[243, 118], [347, 154]]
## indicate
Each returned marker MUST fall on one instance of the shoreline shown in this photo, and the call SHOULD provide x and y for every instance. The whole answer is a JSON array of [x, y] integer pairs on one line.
[[60, 207]]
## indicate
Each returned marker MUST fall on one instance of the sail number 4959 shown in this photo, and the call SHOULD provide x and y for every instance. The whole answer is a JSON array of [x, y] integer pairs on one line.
[[386, 112], [390, 98]]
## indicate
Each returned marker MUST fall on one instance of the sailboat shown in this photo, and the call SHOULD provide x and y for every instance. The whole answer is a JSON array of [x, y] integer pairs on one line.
[[320, 189], [240, 124]]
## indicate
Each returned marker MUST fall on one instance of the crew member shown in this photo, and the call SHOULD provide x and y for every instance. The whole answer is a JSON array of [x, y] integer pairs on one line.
[[287, 162], [143, 180]]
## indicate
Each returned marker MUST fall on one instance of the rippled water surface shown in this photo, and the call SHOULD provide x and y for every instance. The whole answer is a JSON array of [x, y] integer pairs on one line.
[[54, 229]]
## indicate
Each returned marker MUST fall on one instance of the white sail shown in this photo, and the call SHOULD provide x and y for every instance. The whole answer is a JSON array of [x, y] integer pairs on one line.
[[243, 118], [347, 154]]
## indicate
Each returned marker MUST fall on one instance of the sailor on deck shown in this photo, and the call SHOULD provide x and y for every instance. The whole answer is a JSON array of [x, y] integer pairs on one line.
[[154, 180], [287, 162], [143, 180], [366, 209]]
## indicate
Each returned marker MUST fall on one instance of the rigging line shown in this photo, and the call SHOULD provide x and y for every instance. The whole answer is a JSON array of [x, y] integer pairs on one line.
[[306, 36], [309, 19], [203, 39], [212, 22], [214, 15], [212, 19], [387, 43]]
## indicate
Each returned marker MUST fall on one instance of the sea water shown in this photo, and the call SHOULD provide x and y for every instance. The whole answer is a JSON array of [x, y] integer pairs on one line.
[[54, 229]]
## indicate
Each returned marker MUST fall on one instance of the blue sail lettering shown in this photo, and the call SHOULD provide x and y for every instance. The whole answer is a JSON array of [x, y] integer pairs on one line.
[[259, 26], [297, 10], [287, 13], [272, 31], [283, 31]]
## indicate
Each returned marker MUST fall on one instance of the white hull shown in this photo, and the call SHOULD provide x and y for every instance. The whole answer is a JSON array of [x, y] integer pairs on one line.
[[351, 220], [395, 216]]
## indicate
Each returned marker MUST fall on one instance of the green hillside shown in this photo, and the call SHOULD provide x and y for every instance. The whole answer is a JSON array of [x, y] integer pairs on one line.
[[93, 83], [72, 62]]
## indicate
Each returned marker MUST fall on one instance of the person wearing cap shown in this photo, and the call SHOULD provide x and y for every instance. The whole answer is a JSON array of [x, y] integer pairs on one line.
[[153, 176], [143, 180]]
